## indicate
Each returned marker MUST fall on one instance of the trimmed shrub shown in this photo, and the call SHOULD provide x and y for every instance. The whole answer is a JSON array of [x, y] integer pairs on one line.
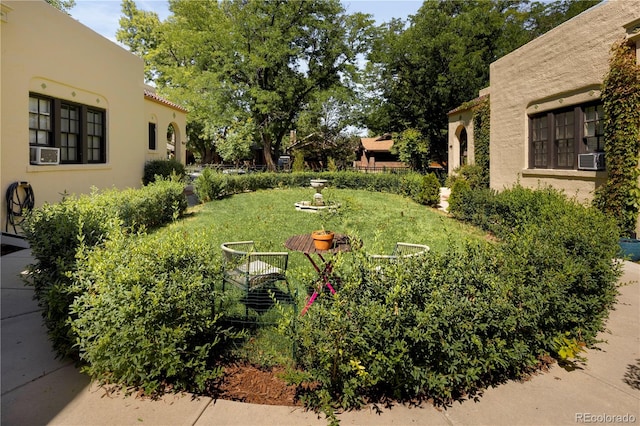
[[144, 315], [211, 185], [472, 173], [446, 325], [162, 168], [429, 193], [55, 231]]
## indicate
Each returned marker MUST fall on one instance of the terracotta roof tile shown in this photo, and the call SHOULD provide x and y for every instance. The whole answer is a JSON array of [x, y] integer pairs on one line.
[[148, 94]]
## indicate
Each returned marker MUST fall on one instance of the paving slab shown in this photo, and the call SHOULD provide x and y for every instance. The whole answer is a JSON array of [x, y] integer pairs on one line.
[[223, 412], [12, 265], [26, 351], [554, 398], [425, 414], [93, 405], [38, 402]]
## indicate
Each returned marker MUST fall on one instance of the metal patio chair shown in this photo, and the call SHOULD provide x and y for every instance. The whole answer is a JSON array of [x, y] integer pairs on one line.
[[253, 272], [400, 251]]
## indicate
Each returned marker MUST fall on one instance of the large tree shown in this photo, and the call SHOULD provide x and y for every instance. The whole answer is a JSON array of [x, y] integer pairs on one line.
[[442, 59], [231, 61]]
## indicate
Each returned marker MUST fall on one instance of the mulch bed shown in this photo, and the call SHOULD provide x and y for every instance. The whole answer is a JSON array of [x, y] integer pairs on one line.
[[247, 383]]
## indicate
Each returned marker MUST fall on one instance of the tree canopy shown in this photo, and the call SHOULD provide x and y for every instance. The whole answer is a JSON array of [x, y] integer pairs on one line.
[[442, 59], [233, 61], [250, 71]]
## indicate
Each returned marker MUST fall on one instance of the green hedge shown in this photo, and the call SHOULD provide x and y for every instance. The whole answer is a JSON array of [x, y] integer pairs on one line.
[[163, 169], [55, 231], [211, 185], [144, 315], [447, 325]]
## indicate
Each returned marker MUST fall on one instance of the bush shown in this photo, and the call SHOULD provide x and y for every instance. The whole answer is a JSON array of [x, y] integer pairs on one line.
[[429, 191], [211, 185], [55, 231], [471, 173], [449, 324], [162, 168], [144, 315]]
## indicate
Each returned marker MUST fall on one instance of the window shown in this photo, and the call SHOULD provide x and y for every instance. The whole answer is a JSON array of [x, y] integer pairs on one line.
[[78, 130], [69, 133], [539, 140], [565, 142], [152, 136], [557, 137], [40, 122], [594, 128]]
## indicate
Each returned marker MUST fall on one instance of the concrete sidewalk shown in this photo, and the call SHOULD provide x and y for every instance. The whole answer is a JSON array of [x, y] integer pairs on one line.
[[38, 389]]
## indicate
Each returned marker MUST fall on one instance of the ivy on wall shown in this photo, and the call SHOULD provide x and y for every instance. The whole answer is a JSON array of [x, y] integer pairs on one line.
[[481, 116], [619, 197]]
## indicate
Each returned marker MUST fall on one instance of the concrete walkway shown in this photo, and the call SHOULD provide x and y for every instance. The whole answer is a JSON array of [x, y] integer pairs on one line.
[[37, 389]]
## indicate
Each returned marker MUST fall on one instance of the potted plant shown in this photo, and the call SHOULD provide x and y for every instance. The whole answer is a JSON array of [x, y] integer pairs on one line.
[[322, 239]]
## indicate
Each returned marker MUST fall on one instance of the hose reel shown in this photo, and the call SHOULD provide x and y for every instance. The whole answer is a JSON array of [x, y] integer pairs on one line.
[[20, 199]]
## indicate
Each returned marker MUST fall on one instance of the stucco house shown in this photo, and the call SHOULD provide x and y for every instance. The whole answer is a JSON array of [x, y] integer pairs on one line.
[[75, 112], [545, 102], [375, 153]]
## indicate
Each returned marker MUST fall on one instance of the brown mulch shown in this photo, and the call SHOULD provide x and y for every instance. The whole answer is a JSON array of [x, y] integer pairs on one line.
[[247, 383]]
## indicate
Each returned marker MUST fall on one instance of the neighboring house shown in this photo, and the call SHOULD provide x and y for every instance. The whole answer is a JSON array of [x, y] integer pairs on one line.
[[73, 97], [375, 153], [546, 107]]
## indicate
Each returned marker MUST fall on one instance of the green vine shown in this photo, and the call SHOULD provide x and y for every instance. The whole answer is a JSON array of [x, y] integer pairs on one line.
[[619, 197], [481, 116]]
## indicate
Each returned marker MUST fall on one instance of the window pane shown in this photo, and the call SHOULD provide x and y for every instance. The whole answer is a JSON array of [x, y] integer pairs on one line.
[[32, 137], [44, 122], [589, 129], [42, 138], [33, 105], [44, 106], [33, 121]]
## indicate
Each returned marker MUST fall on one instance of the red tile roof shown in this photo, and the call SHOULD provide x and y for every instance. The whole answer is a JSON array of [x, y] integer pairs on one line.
[[148, 94]]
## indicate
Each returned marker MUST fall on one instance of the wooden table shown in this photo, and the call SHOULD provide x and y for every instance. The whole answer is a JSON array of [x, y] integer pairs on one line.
[[304, 244]]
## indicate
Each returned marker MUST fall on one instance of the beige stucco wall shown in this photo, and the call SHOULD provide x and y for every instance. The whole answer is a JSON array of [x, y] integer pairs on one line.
[[164, 116], [563, 67], [48, 52]]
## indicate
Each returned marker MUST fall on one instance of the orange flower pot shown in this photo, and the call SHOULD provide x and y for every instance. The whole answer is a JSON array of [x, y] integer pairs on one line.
[[322, 240]]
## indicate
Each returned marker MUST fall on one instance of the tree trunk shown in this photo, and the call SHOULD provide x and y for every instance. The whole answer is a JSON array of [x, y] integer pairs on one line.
[[266, 152]]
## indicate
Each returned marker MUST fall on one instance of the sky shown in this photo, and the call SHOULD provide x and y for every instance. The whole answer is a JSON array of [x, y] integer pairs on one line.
[[103, 16]]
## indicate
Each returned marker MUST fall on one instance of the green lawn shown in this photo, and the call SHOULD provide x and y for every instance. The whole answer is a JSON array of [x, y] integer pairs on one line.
[[378, 219], [269, 217]]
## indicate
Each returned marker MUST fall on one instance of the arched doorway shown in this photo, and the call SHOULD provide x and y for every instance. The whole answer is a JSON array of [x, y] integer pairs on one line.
[[174, 141], [463, 147]]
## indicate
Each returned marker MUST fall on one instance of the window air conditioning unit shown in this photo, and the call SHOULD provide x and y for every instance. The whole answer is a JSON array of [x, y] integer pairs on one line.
[[593, 161], [44, 155]]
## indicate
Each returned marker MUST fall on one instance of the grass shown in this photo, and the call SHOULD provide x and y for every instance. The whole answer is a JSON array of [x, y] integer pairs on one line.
[[379, 219], [269, 217]]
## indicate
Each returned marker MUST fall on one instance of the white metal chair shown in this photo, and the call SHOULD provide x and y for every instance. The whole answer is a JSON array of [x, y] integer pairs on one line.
[[400, 251], [252, 270]]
